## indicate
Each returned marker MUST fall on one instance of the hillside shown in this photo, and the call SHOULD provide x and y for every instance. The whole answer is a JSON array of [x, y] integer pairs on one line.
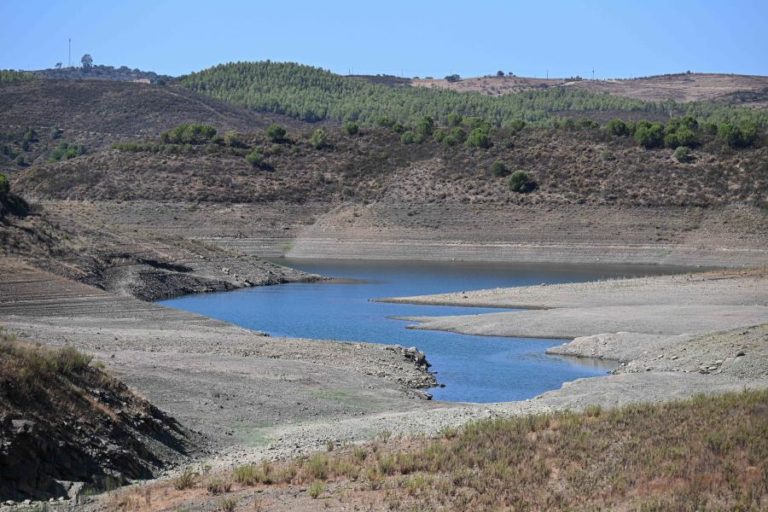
[[683, 87], [570, 166], [96, 114], [706, 453], [313, 94], [65, 424]]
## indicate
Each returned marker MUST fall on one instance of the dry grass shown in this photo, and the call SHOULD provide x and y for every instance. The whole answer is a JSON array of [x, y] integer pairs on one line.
[[707, 453]]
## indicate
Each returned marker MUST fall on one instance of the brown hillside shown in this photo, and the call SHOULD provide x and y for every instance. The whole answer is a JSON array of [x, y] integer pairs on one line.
[[682, 87], [63, 421], [582, 166], [98, 113]]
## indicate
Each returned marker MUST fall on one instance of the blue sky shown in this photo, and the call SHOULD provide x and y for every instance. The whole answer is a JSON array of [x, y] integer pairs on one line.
[[409, 38]]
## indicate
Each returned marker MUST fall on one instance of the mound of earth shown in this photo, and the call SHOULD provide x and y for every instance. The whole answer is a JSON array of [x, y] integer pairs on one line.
[[65, 424]]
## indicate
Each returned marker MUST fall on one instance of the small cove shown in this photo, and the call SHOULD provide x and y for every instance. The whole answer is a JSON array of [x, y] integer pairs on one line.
[[471, 368]]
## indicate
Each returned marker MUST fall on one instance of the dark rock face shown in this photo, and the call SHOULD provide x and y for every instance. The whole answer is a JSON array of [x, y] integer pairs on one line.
[[92, 432]]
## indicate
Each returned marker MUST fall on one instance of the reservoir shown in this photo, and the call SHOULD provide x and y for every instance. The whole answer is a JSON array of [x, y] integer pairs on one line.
[[471, 368]]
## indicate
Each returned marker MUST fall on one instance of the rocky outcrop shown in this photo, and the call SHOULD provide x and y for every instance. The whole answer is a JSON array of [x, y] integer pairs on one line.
[[66, 426]]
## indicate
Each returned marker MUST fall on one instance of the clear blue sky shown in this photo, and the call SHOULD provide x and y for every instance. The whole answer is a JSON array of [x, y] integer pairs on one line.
[[425, 38]]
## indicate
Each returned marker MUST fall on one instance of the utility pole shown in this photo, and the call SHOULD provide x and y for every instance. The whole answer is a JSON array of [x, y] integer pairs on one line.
[[593, 73], [69, 57]]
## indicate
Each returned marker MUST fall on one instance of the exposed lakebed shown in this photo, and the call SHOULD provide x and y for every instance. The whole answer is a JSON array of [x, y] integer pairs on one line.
[[471, 368]]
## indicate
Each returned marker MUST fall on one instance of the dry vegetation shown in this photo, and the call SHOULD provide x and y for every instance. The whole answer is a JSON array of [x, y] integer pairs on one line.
[[576, 166], [706, 453]]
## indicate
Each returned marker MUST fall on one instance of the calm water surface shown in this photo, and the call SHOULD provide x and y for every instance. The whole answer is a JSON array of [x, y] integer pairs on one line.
[[472, 368]]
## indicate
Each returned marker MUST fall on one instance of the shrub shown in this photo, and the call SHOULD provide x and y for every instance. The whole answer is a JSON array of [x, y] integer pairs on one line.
[[385, 122], [232, 139], [425, 127], [276, 133], [315, 490], [479, 138], [440, 135], [516, 126], [649, 135], [21, 161], [186, 480], [452, 78], [255, 158], [683, 154], [456, 137], [246, 475], [499, 169], [217, 487], [738, 136], [520, 182], [682, 136], [227, 505], [617, 127], [454, 119], [5, 186], [351, 128], [408, 137], [398, 128], [65, 151], [189, 134], [319, 139]]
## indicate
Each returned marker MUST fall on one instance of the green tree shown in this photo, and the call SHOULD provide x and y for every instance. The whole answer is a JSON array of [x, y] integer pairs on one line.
[[649, 135], [425, 127], [617, 128], [276, 133], [479, 138], [87, 61], [452, 78]]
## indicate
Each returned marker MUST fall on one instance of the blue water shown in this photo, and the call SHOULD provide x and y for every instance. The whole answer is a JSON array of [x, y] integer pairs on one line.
[[471, 368]]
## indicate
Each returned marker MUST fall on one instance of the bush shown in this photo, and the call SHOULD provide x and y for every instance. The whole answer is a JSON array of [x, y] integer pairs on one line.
[[319, 139], [228, 505], [682, 136], [452, 78], [425, 127], [617, 128], [189, 134], [522, 183], [499, 169], [315, 490], [186, 480], [517, 125], [232, 139], [408, 137], [65, 151], [5, 186], [738, 136], [351, 128], [454, 119], [276, 133], [649, 135], [216, 487], [683, 154], [455, 137], [479, 138], [255, 158]]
